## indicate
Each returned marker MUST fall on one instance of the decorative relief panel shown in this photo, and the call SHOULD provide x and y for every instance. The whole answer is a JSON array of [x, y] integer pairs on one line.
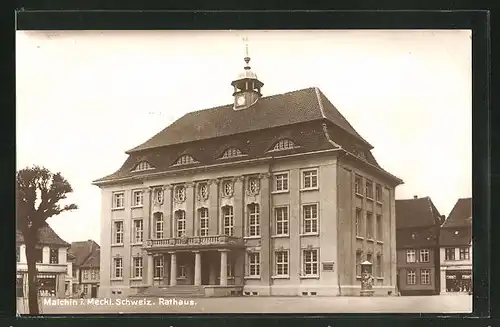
[[253, 186], [202, 191], [227, 189], [179, 193], [158, 195]]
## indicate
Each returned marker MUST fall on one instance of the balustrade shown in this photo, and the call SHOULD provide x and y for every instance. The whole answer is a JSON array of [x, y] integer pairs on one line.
[[194, 241]]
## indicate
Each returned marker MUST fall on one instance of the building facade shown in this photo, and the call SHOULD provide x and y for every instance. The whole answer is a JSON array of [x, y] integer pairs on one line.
[[417, 237], [456, 249], [273, 195], [51, 264], [85, 268]]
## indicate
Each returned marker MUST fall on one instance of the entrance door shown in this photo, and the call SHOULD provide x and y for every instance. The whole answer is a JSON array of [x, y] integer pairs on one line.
[[93, 292]]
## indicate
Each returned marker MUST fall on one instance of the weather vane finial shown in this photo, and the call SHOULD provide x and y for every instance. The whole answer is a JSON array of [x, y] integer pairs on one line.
[[247, 57]]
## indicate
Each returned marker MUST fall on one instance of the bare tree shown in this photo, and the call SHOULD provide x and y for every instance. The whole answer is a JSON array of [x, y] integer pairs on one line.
[[38, 194]]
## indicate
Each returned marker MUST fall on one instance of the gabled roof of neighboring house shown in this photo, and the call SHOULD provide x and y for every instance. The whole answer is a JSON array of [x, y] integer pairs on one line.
[[460, 215], [305, 116], [93, 261], [416, 212], [457, 228], [83, 251], [271, 111], [46, 236]]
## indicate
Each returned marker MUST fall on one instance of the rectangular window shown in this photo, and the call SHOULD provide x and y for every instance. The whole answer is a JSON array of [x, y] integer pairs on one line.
[[54, 256], [180, 218], [357, 185], [281, 182], [358, 263], [310, 262], [378, 193], [380, 230], [369, 189], [410, 256], [254, 264], [137, 198], [230, 269], [118, 232], [358, 222], [85, 274], [380, 268], [425, 276], [137, 272], [93, 274], [253, 220], [369, 225], [281, 217], [281, 258], [18, 254], [158, 224], [228, 215], [118, 200], [424, 255], [449, 254], [310, 218], [138, 231], [158, 262], [118, 267], [38, 255], [310, 179], [464, 253], [411, 277], [203, 222]]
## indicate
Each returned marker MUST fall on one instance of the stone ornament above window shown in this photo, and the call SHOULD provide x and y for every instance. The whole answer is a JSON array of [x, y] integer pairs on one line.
[[253, 186], [179, 193], [227, 188], [158, 195], [359, 153], [203, 190]]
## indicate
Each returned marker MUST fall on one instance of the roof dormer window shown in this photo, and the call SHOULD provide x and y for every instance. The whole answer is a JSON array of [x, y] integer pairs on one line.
[[185, 159], [142, 165], [231, 153], [284, 144]]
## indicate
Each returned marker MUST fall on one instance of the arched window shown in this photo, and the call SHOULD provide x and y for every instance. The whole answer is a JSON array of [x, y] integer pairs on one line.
[[142, 165], [284, 144], [232, 152], [185, 160]]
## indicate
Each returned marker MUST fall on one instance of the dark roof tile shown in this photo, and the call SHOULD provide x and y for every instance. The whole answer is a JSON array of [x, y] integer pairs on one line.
[[46, 236], [419, 212], [461, 214], [83, 250]]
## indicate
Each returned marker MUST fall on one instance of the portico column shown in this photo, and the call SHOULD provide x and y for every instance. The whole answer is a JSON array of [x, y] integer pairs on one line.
[[223, 267], [173, 269], [197, 268], [151, 269]]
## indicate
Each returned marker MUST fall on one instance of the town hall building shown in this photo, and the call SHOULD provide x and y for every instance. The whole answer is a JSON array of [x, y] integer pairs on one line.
[[275, 195]]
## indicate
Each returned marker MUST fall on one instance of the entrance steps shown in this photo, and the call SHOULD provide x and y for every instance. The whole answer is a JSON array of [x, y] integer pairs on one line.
[[172, 291]]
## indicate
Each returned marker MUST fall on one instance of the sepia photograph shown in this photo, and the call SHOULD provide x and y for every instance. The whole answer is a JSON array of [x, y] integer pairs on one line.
[[244, 171]]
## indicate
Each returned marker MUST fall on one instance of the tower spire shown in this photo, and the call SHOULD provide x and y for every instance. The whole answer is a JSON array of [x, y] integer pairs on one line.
[[247, 57]]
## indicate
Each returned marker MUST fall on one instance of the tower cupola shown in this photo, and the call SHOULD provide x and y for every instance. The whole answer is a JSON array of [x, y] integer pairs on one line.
[[246, 86]]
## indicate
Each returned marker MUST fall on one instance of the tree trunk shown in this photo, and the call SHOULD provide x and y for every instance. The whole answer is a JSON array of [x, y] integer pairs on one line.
[[32, 279]]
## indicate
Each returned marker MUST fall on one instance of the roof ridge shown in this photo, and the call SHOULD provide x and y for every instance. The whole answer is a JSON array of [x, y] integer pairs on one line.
[[320, 103]]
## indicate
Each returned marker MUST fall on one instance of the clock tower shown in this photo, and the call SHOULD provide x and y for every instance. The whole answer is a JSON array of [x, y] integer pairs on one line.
[[246, 86]]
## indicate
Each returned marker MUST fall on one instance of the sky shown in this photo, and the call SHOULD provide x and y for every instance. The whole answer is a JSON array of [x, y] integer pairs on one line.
[[85, 97]]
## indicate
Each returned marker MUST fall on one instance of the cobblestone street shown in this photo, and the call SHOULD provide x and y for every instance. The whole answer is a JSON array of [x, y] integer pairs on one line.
[[410, 304]]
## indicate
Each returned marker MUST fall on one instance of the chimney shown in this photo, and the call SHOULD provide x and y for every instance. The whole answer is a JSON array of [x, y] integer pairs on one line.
[[415, 196]]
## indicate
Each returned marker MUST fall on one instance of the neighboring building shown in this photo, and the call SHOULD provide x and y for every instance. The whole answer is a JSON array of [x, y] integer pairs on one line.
[[417, 238], [85, 268], [456, 249], [50, 264], [273, 195]]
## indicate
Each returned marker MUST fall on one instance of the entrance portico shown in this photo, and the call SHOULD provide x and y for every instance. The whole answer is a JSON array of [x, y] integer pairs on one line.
[[198, 263]]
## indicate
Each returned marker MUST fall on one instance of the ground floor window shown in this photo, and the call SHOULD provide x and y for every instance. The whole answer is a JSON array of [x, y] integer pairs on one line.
[[459, 281], [281, 258], [47, 285], [159, 261], [411, 277], [19, 287], [425, 276], [310, 260]]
